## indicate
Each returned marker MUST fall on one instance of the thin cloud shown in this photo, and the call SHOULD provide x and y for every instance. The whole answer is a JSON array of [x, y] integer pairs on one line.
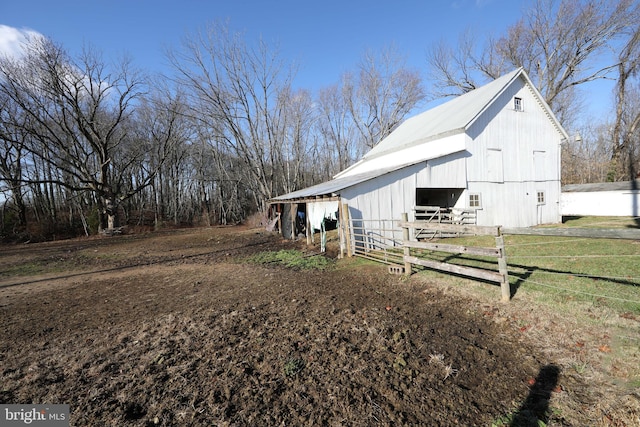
[[12, 39], [483, 3], [461, 4]]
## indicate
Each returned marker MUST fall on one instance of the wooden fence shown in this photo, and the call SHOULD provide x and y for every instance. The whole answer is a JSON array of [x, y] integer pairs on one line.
[[501, 275]]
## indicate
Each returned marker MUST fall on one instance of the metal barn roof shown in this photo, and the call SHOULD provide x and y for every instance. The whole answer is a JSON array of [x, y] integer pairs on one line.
[[454, 116], [331, 188]]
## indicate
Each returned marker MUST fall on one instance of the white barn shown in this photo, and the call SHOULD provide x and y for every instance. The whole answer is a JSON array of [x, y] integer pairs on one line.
[[494, 151]]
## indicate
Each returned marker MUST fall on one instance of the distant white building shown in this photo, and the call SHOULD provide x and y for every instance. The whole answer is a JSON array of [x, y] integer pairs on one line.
[[603, 199], [494, 151]]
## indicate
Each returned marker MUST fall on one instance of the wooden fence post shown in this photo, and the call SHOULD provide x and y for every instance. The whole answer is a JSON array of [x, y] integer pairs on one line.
[[341, 236], [279, 221], [293, 212], [505, 287], [405, 239], [347, 222]]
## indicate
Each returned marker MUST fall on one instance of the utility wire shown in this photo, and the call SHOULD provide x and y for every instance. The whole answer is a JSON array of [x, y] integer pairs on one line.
[[580, 292], [572, 256], [591, 276], [551, 242]]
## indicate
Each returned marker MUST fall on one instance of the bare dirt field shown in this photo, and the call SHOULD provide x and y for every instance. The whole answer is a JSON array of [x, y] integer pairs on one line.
[[176, 328]]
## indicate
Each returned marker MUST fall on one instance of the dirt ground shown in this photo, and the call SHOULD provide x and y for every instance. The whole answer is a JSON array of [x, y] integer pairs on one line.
[[175, 328]]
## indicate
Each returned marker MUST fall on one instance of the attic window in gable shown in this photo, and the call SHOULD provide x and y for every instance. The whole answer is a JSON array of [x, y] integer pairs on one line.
[[517, 104]]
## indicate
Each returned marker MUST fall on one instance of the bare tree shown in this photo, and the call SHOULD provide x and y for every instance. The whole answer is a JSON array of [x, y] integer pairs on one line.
[[586, 158], [336, 127], [161, 133], [385, 92], [296, 117], [12, 151], [626, 128], [77, 114], [559, 50], [365, 107], [557, 42], [454, 71], [235, 91]]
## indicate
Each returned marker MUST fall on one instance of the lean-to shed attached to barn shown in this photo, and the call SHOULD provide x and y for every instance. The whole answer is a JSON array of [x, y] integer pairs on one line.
[[490, 157]]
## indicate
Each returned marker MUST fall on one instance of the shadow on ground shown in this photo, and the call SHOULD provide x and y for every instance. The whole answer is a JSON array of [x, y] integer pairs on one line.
[[536, 407]]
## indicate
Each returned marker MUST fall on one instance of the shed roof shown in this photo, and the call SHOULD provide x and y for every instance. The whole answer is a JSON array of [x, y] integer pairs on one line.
[[332, 187], [602, 186]]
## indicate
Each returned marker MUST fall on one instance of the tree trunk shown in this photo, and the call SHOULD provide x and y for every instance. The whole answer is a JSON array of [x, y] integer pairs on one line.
[[108, 215]]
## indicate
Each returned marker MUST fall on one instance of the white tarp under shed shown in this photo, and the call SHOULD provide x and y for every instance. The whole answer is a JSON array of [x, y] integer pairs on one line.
[[319, 211]]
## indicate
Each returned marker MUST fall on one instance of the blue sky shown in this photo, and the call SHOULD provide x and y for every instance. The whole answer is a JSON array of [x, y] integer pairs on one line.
[[325, 38]]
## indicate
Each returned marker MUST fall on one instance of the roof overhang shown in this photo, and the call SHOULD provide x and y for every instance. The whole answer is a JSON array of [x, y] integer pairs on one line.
[[330, 190]]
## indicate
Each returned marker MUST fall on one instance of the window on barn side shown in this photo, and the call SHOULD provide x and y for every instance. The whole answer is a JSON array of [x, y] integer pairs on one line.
[[475, 202], [541, 198], [517, 104]]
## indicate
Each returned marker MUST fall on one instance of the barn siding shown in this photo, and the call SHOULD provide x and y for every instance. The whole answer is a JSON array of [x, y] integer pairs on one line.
[[528, 146], [518, 134], [515, 204], [445, 172], [385, 197]]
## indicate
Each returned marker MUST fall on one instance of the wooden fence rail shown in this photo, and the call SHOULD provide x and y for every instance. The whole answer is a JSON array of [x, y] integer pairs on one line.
[[498, 252], [501, 276], [590, 233]]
